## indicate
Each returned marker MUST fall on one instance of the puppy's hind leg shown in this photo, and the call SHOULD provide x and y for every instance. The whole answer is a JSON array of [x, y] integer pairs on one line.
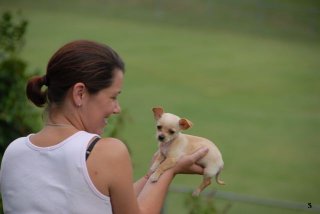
[[209, 172], [206, 181]]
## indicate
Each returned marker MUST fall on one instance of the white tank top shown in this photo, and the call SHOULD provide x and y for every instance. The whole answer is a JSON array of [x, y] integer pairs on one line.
[[51, 179]]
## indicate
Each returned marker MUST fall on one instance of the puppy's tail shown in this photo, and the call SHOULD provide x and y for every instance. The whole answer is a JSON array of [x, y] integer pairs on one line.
[[218, 180]]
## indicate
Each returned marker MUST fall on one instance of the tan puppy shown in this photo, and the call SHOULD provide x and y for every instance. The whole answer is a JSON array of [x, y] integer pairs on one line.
[[173, 144]]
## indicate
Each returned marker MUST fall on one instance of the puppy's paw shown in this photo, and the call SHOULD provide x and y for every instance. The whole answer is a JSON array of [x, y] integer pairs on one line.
[[154, 177]]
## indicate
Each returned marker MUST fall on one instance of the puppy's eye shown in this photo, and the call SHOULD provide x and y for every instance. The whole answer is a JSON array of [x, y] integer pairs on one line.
[[171, 131], [159, 127]]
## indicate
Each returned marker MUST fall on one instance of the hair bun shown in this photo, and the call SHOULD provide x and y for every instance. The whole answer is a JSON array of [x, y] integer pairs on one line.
[[33, 90], [45, 80]]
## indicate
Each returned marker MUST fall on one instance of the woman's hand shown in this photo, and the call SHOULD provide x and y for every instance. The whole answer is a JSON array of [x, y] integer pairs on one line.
[[187, 163]]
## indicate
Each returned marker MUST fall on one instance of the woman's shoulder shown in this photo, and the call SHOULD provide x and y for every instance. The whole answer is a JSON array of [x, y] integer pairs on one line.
[[111, 148], [114, 143], [17, 144], [106, 159]]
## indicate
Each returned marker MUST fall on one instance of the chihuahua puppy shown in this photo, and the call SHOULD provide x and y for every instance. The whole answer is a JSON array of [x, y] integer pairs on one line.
[[173, 144]]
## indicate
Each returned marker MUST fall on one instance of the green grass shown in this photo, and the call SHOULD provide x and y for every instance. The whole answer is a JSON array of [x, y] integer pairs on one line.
[[256, 96]]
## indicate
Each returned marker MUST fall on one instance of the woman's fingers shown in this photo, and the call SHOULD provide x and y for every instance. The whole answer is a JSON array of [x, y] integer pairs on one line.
[[200, 153], [197, 169], [188, 163]]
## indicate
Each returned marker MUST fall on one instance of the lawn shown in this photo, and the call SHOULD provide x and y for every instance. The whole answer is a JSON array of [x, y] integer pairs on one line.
[[256, 96]]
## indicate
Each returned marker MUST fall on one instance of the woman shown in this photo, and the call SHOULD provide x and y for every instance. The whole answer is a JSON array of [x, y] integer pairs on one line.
[[66, 167]]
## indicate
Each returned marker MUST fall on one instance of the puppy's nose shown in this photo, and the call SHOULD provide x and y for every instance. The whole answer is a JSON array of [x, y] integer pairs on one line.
[[161, 137]]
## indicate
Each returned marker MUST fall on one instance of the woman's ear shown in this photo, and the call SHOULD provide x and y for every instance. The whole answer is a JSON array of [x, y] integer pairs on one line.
[[78, 93]]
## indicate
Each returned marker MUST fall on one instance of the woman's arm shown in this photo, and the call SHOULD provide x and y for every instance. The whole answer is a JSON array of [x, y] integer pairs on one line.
[[139, 184]]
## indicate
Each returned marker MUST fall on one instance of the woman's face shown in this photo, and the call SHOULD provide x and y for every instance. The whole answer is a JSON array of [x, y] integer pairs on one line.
[[99, 107]]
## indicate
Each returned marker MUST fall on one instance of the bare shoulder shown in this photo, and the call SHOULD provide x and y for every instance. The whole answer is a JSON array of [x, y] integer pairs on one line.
[[112, 142], [106, 159], [108, 153], [111, 148]]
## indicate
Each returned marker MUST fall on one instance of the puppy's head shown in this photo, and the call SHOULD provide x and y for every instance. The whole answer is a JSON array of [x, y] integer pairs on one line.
[[169, 125]]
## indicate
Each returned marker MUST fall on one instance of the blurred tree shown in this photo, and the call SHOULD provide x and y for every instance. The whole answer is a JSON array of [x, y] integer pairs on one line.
[[15, 115]]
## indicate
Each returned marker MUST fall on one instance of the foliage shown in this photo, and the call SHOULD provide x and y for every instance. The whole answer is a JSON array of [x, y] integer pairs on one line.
[[14, 112], [204, 205], [117, 123], [200, 205], [116, 126], [12, 35]]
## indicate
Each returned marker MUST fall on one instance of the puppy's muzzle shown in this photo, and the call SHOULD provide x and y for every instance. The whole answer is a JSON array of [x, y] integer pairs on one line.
[[161, 137]]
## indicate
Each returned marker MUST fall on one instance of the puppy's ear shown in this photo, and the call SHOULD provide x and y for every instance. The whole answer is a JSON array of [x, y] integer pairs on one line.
[[185, 124], [157, 112]]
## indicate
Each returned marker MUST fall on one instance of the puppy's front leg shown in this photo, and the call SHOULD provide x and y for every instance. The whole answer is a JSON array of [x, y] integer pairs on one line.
[[166, 164], [159, 158]]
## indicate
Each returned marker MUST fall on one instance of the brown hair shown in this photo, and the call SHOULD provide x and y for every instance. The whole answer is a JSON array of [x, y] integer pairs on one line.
[[79, 61]]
